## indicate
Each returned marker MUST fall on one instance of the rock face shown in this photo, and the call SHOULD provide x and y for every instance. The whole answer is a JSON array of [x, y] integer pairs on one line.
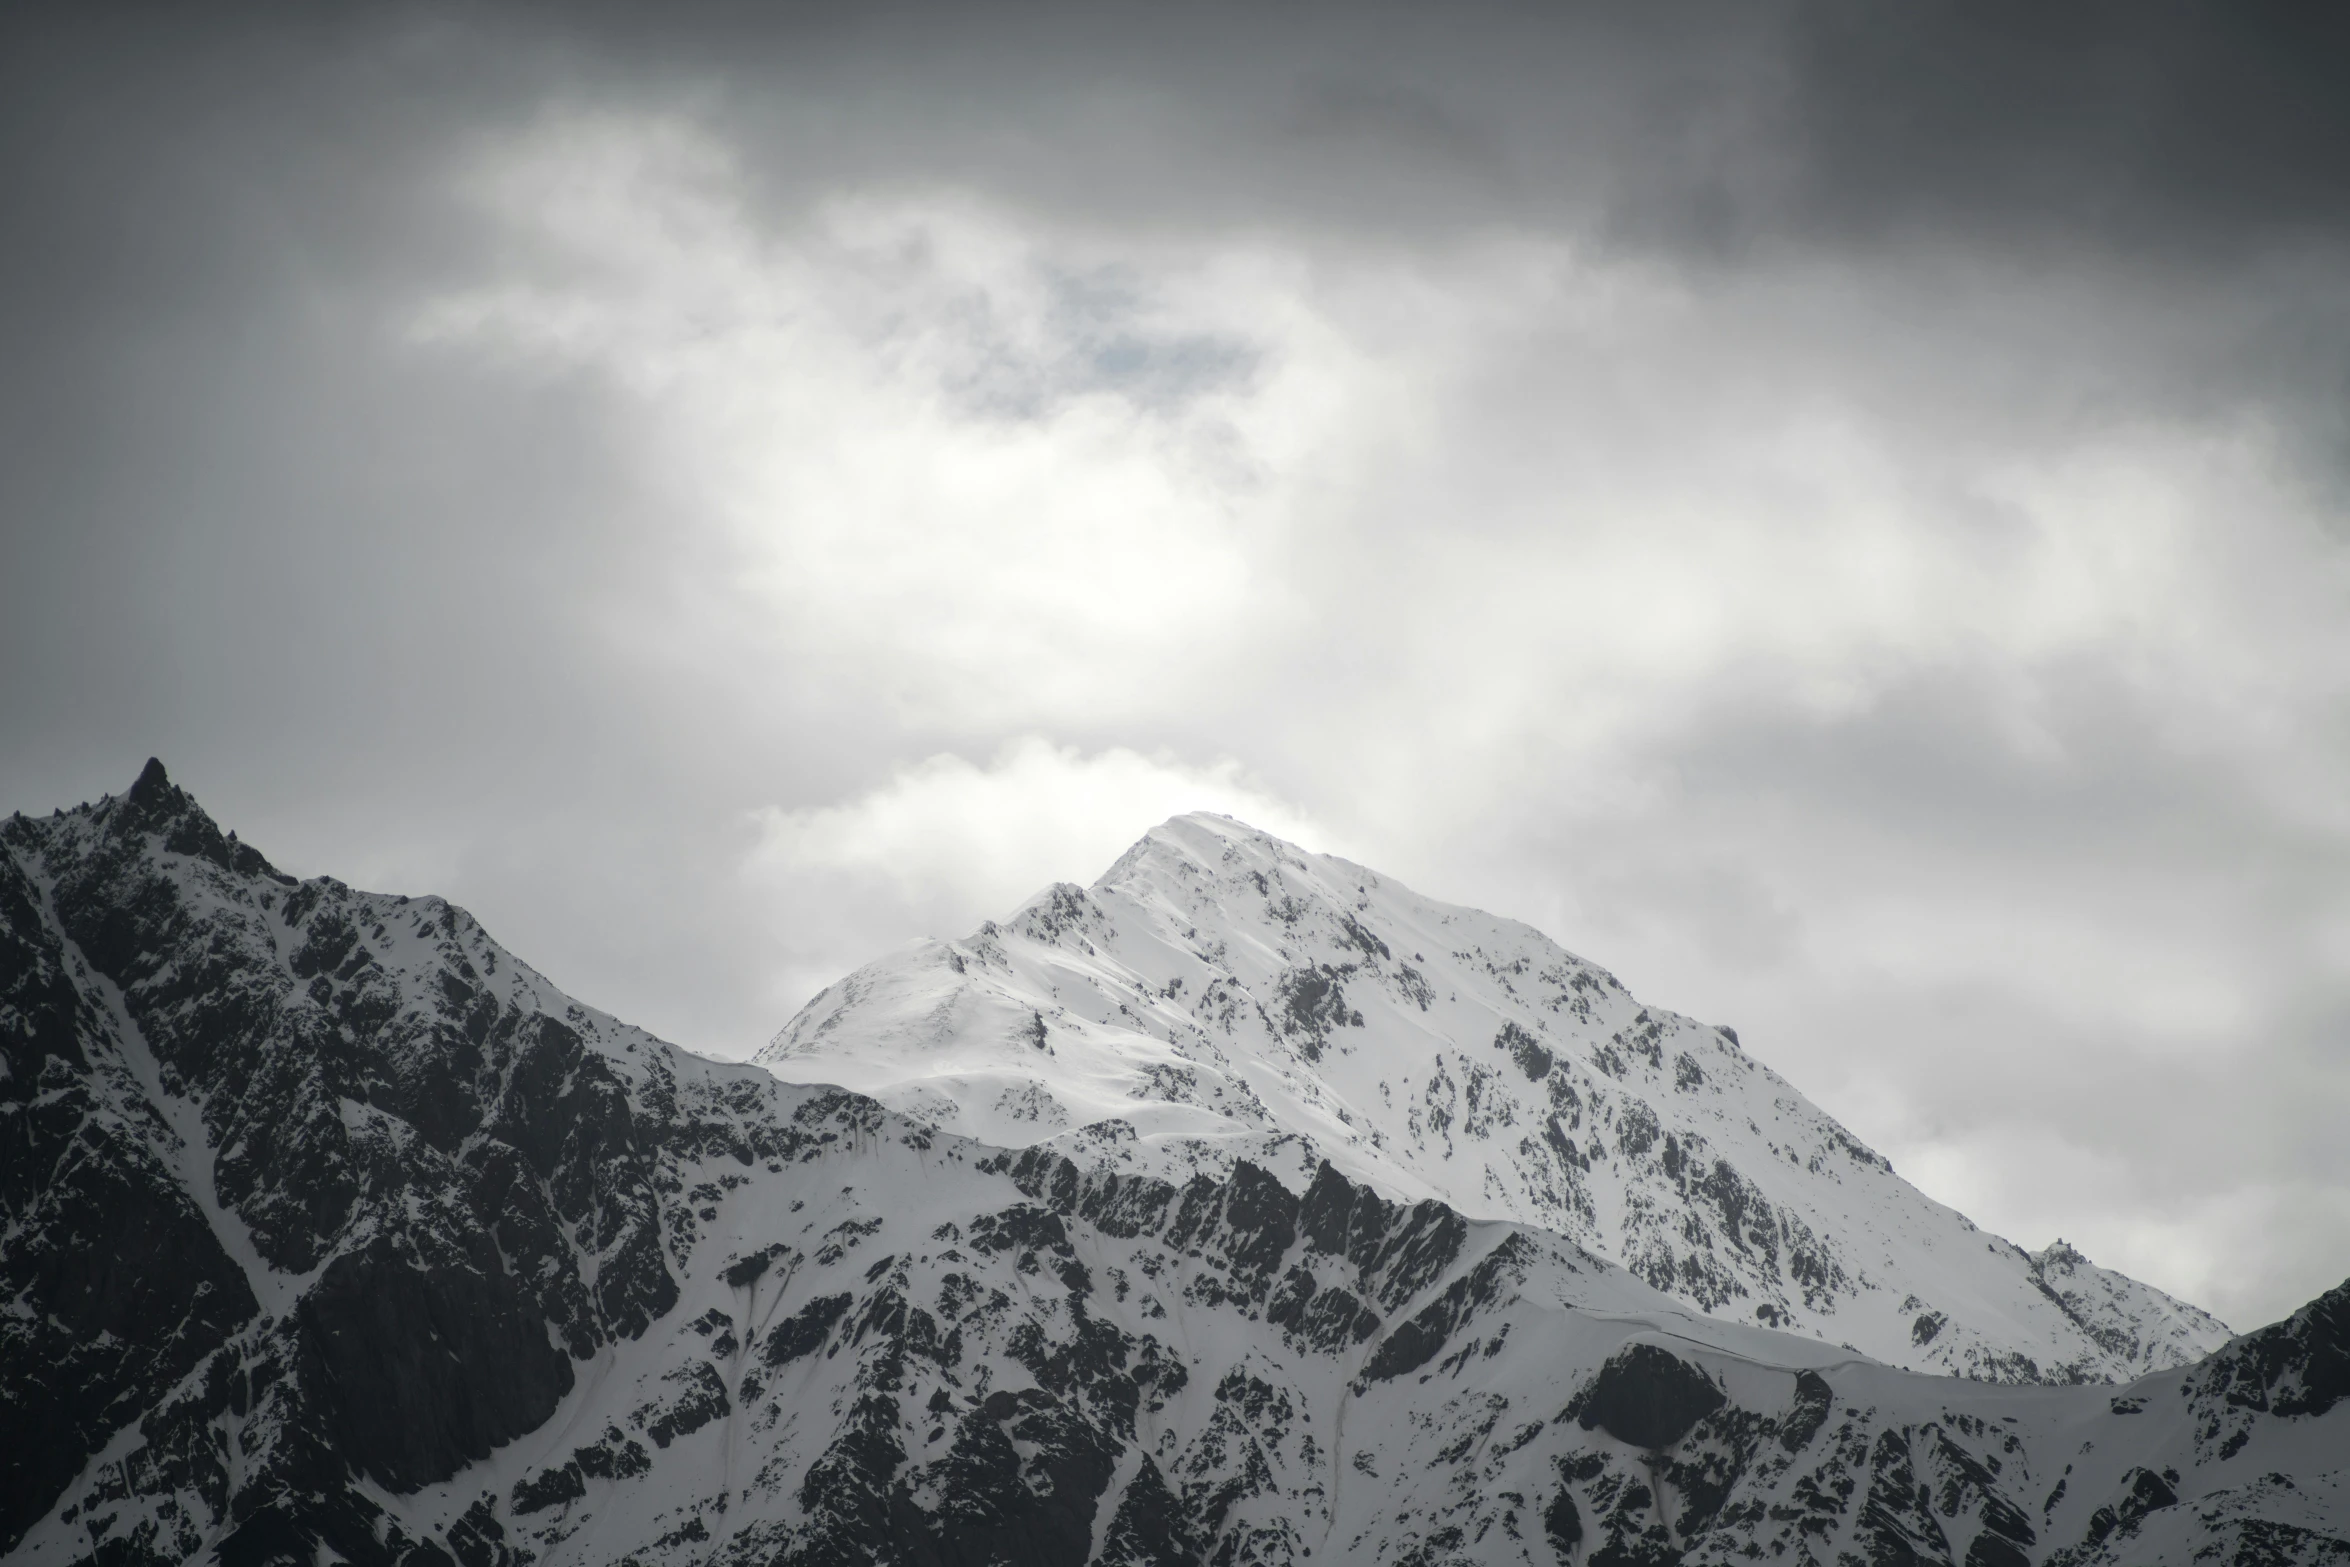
[[305, 1185], [332, 1232], [1223, 994]]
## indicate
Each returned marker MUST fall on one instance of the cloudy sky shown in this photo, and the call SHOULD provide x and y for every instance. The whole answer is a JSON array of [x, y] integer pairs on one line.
[[1840, 514]]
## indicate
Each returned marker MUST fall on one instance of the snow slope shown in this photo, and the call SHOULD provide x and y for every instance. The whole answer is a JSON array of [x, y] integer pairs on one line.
[[332, 1233], [1221, 994]]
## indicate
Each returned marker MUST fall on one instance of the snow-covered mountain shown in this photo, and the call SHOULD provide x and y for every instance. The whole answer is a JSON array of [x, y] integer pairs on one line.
[[331, 1232], [1220, 994]]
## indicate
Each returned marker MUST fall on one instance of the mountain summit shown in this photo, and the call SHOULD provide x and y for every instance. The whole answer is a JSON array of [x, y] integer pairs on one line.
[[331, 1232], [1220, 994]]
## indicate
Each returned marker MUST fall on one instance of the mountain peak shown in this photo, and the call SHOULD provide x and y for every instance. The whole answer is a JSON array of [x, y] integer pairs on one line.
[[1220, 994], [153, 802], [2060, 1253], [156, 806], [1205, 841], [152, 783]]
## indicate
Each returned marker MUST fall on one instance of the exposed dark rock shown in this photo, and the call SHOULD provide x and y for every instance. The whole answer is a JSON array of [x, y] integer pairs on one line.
[[1563, 1524], [1419, 1340], [615, 1457], [999, 1509], [477, 1539], [2300, 1366], [1647, 1396], [1525, 1049], [118, 1284], [700, 1398], [847, 1492], [548, 1488], [1809, 1412], [1149, 1528], [1897, 1522], [1312, 1004], [420, 1366], [1992, 1550], [2143, 1492], [1020, 1228], [1636, 1129]]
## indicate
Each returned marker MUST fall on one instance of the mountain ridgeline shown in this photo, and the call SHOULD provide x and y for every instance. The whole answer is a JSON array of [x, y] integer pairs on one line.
[[1242, 1208], [1222, 994]]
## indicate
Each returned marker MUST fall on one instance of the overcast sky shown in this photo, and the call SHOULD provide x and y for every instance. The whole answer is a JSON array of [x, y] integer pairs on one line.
[[1839, 514]]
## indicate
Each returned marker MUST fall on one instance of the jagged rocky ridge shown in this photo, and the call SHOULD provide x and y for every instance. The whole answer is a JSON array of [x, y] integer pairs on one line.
[[1223, 994], [332, 1232]]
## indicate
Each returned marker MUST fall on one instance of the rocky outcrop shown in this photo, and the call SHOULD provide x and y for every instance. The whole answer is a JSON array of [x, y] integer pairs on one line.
[[323, 1166], [116, 1286]]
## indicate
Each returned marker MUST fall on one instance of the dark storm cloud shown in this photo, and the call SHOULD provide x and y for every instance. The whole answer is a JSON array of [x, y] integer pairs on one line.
[[2173, 132], [2167, 133]]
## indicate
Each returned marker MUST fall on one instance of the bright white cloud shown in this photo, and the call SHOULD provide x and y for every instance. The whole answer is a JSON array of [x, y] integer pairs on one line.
[[984, 837], [1002, 475], [988, 475], [1831, 651]]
